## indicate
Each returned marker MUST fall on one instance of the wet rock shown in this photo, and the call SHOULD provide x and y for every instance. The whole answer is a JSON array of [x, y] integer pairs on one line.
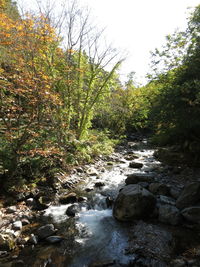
[[133, 202], [135, 178], [68, 198], [135, 165], [54, 239], [189, 196], [89, 189], [82, 199], [7, 242], [169, 214], [43, 203], [17, 225], [92, 171], [11, 209], [33, 239], [72, 210], [167, 200], [99, 184], [192, 214], [46, 231], [159, 189]]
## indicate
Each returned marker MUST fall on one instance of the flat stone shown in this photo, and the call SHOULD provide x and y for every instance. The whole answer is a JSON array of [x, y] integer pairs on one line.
[[54, 239], [135, 178], [135, 165]]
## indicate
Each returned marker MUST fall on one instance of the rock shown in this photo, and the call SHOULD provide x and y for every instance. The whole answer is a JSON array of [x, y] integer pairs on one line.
[[192, 214], [82, 199], [17, 225], [72, 210], [3, 254], [54, 239], [159, 189], [178, 263], [189, 196], [31, 202], [135, 165], [169, 214], [175, 192], [43, 202], [99, 184], [33, 239], [167, 200], [68, 198], [92, 171], [133, 202], [25, 221], [46, 231], [135, 178], [109, 202], [89, 189], [79, 170], [11, 209], [144, 184], [7, 242]]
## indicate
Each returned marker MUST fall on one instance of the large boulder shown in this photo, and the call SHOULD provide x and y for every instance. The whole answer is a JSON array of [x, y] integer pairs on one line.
[[169, 214], [189, 196], [135, 178], [133, 202], [192, 214]]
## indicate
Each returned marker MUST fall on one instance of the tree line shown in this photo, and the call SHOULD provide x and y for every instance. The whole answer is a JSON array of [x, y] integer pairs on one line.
[[62, 101]]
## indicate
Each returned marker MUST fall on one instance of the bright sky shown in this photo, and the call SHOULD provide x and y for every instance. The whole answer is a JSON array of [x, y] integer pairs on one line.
[[138, 26]]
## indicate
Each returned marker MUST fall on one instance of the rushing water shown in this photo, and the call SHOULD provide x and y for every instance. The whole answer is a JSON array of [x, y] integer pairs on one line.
[[99, 237]]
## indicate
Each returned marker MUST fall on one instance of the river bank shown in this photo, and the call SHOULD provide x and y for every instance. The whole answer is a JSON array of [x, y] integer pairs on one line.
[[70, 222]]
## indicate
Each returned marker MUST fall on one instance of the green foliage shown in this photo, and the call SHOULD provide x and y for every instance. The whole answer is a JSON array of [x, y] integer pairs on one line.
[[176, 111]]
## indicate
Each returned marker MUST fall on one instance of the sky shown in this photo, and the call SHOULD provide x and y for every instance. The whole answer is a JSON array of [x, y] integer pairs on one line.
[[138, 27]]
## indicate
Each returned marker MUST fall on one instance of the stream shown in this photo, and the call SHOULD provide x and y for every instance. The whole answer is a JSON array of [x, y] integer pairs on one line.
[[93, 237]]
